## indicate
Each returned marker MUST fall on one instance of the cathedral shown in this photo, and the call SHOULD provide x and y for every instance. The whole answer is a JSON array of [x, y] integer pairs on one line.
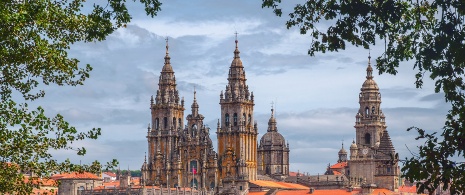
[[183, 155]]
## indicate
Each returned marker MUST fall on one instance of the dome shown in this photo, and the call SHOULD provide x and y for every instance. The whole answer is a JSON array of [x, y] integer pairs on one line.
[[272, 138], [167, 68], [342, 151], [369, 84], [237, 60], [353, 146]]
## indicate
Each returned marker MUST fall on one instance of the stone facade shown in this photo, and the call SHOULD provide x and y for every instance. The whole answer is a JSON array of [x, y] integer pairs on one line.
[[273, 152], [184, 157], [373, 160]]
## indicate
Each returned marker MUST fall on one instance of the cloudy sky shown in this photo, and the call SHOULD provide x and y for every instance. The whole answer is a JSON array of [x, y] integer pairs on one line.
[[316, 98]]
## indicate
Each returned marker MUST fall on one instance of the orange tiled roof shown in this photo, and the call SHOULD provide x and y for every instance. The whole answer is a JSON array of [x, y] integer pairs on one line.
[[257, 193], [339, 165], [382, 191], [291, 173], [280, 185], [111, 174], [43, 182], [44, 191], [316, 192], [409, 189], [337, 173], [75, 175]]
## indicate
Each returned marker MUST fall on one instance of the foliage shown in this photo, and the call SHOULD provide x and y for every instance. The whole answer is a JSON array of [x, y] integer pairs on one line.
[[35, 36], [429, 32]]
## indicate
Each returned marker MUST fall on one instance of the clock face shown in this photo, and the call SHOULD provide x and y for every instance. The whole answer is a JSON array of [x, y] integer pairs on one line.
[[365, 151]]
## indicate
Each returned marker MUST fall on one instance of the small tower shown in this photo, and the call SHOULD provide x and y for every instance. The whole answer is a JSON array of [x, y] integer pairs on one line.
[[342, 154], [273, 152]]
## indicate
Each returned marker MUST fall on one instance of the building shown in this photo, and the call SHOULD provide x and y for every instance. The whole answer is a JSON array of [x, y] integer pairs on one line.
[[273, 152], [373, 161], [183, 155], [74, 183]]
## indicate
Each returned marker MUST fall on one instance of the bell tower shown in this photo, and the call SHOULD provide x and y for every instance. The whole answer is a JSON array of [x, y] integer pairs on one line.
[[372, 155], [167, 111], [237, 131], [370, 120]]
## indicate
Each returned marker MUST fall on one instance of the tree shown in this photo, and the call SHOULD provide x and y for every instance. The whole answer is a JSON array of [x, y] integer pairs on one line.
[[429, 32], [35, 36]]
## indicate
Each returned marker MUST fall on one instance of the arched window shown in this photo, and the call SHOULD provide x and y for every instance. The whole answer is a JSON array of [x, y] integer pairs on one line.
[[193, 166], [165, 122], [367, 111], [179, 123], [226, 119], [243, 118], [157, 123], [250, 119], [174, 123], [235, 119], [373, 110], [194, 130], [367, 138]]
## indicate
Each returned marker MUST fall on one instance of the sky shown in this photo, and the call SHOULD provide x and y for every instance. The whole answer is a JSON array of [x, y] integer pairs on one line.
[[315, 98]]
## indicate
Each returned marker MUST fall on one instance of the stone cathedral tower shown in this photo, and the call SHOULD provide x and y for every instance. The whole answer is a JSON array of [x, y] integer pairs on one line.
[[237, 131], [372, 156], [167, 120]]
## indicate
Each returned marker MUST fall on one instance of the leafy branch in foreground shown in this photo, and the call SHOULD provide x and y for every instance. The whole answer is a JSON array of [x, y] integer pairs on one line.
[[431, 33], [35, 37]]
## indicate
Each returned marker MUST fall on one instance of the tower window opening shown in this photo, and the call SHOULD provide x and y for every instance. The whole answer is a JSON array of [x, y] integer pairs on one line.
[[243, 118], [226, 119], [157, 123], [165, 122], [250, 119], [235, 119], [179, 123], [367, 111], [373, 110], [174, 123], [367, 138]]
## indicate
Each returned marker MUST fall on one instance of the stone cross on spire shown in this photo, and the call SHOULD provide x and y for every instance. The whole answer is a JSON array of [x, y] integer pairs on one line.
[[166, 39]]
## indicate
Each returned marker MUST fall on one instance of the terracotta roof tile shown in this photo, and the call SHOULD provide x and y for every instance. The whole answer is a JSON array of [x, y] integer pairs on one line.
[[382, 191], [316, 192], [280, 185], [339, 165], [111, 174], [75, 175], [409, 189], [257, 193]]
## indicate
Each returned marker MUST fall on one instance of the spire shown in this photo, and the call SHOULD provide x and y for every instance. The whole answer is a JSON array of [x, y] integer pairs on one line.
[[236, 61], [385, 145], [195, 106], [167, 67], [236, 52], [369, 68], [272, 122]]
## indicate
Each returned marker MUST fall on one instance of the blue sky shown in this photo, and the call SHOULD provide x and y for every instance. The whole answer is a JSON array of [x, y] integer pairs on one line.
[[316, 98]]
